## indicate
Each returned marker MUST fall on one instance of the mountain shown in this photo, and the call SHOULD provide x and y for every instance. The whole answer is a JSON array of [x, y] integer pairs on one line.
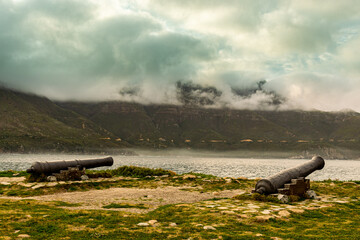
[[32, 123], [335, 135]]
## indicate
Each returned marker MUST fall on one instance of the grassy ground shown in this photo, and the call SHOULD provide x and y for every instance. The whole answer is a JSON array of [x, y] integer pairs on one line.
[[335, 216]]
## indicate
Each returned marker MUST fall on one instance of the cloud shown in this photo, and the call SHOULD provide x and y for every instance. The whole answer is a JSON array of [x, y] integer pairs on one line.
[[316, 91], [349, 57], [42, 51], [140, 50]]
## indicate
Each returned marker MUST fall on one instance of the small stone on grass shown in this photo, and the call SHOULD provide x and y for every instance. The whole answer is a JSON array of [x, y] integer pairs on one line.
[[264, 218], [23, 236], [152, 222], [143, 224], [284, 213], [209, 228]]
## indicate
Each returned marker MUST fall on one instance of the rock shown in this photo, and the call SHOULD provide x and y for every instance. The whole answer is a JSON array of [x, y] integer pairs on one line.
[[189, 176], [283, 198], [311, 208], [244, 216], [215, 193], [5, 183], [164, 176], [152, 222], [143, 224], [39, 185], [172, 224], [199, 225], [228, 180], [266, 212], [23, 236], [349, 183], [84, 177], [242, 178], [250, 211], [276, 238], [209, 228], [258, 234], [252, 206], [51, 179], [284, 213], [310, 194], [264, 218], [25, 184], [296, 210], [51, 184]]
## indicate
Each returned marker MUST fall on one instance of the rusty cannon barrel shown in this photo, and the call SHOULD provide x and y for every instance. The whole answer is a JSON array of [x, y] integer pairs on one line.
[[56, 166], [272, 184]]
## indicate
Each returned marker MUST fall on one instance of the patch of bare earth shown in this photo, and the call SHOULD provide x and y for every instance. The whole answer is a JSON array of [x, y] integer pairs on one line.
[[151, 198]]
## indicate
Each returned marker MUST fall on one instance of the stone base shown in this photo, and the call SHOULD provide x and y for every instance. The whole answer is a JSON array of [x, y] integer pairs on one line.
[[71, 174]]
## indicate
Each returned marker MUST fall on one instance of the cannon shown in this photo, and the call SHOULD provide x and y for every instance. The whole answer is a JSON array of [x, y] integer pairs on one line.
[[56, 166], [290, 181]]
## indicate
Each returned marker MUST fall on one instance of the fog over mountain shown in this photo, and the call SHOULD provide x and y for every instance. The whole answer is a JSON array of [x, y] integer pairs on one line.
[[243, 54]]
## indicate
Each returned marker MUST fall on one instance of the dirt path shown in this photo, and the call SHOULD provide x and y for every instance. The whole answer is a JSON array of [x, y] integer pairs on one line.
[[151, 198]]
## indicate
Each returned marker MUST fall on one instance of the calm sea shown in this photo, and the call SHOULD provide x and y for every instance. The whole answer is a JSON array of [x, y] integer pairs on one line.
[[219, 166]]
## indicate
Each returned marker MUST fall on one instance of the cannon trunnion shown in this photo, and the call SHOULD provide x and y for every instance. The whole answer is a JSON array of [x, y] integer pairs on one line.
[[290, 177], [57, 166]]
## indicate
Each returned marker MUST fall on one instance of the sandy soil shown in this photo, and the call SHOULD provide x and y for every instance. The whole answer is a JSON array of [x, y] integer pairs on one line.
[[7, 180], [151, 198]]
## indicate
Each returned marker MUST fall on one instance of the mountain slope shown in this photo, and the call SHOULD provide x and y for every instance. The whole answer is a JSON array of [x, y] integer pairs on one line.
[[29, 122], [165, 126]]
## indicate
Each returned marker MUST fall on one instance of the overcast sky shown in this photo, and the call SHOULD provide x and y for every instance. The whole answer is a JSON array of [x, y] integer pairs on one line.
[[307, 51]]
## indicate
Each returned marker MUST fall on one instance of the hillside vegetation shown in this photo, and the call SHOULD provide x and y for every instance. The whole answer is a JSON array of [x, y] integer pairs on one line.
[[32, 123], [331, 134]]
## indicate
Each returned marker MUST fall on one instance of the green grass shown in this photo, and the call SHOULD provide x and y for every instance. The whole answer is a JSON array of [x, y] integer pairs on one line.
[[54, 220], [11, 173], [132, 171], [257, 197], [47, 220]]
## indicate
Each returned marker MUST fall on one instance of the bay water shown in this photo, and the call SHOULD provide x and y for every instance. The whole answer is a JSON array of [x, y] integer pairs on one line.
[[219, 166]]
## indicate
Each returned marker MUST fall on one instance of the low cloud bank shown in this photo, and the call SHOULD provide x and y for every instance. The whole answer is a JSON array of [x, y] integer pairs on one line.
[[269, 55]]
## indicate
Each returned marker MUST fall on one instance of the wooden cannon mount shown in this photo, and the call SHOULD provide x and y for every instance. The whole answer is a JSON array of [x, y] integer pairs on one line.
[[67, 170], [297, 186], [290, 181]]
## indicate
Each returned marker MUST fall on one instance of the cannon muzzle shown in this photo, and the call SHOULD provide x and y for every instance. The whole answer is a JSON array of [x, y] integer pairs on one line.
[[56, 166], [272, 184]]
